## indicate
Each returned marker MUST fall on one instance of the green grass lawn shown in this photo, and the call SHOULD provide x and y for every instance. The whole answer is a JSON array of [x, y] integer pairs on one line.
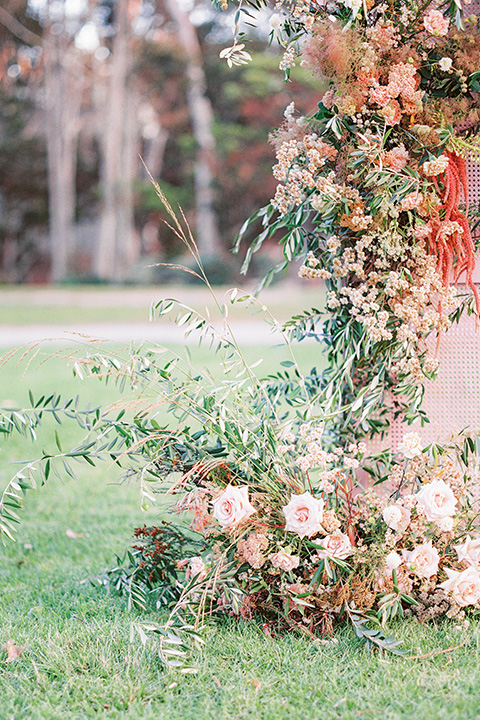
[[77, 661]]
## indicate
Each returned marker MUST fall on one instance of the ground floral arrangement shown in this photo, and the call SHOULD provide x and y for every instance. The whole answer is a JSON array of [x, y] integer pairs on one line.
[[283, 515], [333, 552]]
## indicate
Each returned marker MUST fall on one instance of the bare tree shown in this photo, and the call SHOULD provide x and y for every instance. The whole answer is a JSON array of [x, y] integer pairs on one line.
[[117, 245], [63, 88], [64, 82], [201, 114]]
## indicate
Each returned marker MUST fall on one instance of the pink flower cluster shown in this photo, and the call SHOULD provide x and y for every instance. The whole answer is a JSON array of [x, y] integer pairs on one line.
[[403, 81], [436, 23]]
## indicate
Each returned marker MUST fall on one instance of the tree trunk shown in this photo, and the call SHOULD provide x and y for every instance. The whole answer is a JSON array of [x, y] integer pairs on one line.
[[201, 114], [117, 246], [64, 87]]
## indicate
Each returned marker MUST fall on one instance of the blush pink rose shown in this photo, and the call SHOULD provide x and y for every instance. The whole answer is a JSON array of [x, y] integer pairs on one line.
[[422, 560], [304, 515], [196, 566], [464, 586], [336, 545], [232, 506], [284, 560], [436, 500], [435, 23], [397, 517], [469, 552]]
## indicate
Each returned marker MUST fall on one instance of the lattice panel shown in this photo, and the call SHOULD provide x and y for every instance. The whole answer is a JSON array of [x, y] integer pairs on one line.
[[473, 177], [452, 401]]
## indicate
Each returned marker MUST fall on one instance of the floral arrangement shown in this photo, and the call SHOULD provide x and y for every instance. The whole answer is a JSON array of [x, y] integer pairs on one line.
[[373, 186], [285, 524], [310, 546], [290, 520]]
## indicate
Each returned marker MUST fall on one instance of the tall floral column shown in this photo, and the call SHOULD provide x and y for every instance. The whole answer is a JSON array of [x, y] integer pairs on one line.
[[373, 192]]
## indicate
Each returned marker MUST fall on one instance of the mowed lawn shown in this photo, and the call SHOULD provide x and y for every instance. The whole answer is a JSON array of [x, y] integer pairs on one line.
[[77, 661]]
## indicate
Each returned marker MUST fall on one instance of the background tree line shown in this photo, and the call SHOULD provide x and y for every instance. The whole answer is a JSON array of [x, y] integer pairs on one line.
[[87, 89]]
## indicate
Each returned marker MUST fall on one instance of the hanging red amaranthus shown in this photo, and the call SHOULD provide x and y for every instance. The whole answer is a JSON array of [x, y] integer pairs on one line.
[[450, 237]]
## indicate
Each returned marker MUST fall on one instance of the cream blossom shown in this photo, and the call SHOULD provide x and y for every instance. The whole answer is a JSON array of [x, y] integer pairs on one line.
[[445, 524], [284, 560], [437, 500], [393, 560], [304, 515], [469, 552], [411, 445], [445, 64], [422, 560], [276, 21], [397, 517], [232, 506], [464, 586], [437, 166], [336, 545]]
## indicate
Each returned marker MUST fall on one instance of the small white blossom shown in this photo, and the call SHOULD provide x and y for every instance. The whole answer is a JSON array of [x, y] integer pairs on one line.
[[276, 21], [445, 64]]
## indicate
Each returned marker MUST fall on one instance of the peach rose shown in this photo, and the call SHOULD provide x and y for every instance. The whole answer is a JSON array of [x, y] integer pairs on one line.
[[422, 560], [392, 112], [380, 95], [396, 158], [304, 515], [436, 500], [412, 200], [469, 552], [435, 23], [464, 586], [284, 560], [397, 517], [336, 545], [232, 506]]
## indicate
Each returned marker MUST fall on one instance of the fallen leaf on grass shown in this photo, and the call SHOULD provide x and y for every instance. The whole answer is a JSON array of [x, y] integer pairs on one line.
[[257, 685], [72, 534], [13, 651], [217, 681]]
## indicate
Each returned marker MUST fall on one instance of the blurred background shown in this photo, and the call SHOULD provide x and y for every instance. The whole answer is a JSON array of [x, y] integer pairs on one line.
[[89, 88]]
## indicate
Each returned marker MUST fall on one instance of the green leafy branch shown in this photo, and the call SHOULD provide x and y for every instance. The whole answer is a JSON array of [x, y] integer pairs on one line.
[[372, 637]]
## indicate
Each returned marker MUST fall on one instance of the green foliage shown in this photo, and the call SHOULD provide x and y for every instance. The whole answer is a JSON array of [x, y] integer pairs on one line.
[[147, 574], [373, 637]]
